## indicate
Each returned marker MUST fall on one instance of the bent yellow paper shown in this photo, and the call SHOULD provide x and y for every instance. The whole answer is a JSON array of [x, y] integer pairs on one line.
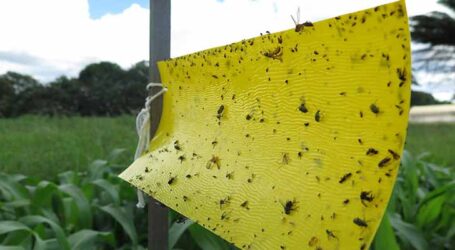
[[290, 140]]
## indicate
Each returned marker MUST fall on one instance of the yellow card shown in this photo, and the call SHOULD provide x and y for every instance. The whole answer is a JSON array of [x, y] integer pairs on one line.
[[290, 140]]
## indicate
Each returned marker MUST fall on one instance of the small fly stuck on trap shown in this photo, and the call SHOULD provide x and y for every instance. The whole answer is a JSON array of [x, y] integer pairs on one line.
[[290, 140]]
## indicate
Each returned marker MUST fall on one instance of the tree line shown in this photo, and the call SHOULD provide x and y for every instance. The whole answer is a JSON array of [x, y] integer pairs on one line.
[[100, 89]]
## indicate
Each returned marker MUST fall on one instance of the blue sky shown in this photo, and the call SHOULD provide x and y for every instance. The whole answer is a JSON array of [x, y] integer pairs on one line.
[[98, 8]]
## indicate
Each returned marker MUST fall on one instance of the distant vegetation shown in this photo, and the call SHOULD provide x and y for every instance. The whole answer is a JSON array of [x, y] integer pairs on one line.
[[101, 89]]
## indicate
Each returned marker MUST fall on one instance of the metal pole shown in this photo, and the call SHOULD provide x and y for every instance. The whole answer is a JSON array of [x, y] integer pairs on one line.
[[160, 48]]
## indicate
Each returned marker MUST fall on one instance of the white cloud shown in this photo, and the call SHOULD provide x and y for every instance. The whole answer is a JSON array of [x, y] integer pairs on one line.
[[59, 37], [62, 38]]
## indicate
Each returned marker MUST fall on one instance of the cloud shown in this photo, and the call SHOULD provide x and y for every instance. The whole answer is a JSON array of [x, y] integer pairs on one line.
[[18, 57], [48, 38], [63, 37]]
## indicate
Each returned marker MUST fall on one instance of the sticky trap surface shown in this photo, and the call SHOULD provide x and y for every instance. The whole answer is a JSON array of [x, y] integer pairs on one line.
[[289, 140]]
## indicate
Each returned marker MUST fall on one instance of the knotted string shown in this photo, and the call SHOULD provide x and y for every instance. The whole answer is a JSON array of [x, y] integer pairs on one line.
[[143, 132]]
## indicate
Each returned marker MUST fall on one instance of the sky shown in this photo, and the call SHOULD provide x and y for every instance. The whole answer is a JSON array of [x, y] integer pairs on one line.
[[50, 38]]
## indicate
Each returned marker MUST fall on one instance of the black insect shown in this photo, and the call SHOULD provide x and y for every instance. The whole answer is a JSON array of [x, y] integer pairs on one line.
[[177, 146], [345, 178], [359, 222], [372, 151], [308, 24], [274, 54], [289, 206], [171, 180], [215, 76], [185, 198], [220, 112], [250, 180], [245, 205], [317, 116], [303, 108], [230, 176], [374, 108], [298, 26], [366, 196], [395, 155], [345, 202], [182, 158], [181, 219], [224, 216], [401, 74], [330, 234], [224, 201], [215, 160], [188, 176], [384, 162], [285, 160], [248, 117]]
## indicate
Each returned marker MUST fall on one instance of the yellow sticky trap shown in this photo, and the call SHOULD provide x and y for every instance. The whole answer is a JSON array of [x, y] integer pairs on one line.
[[289, 140]]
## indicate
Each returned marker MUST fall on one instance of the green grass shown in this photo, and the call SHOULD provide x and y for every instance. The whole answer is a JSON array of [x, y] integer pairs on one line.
[[437, 139], [44, 147]]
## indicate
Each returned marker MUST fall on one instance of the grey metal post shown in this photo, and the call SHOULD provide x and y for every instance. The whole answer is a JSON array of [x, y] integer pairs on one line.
[[160, 48]]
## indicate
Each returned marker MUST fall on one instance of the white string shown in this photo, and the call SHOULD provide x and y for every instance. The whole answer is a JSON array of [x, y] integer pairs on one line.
[[143, 132]]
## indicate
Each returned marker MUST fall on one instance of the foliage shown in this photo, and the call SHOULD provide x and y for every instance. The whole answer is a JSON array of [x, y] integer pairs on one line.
[[86, 210], [100, 89], [435, 29], [419, 98], [421, 212]]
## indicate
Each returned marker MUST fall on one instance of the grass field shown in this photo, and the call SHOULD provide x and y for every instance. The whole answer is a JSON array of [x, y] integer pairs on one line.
[[43, 147], [436, 139]]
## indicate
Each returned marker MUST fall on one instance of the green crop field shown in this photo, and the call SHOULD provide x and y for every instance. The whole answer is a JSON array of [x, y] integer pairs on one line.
[[436, 139], [44, 147]]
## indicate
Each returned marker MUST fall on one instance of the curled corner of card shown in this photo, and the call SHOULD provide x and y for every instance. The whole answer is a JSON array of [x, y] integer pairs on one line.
[[135, 173]]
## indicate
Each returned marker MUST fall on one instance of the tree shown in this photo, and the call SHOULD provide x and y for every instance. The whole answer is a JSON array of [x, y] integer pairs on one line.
[[6, 96], [101, 86], [100, 89], [12, 86], [135, 93], [436, 30]]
